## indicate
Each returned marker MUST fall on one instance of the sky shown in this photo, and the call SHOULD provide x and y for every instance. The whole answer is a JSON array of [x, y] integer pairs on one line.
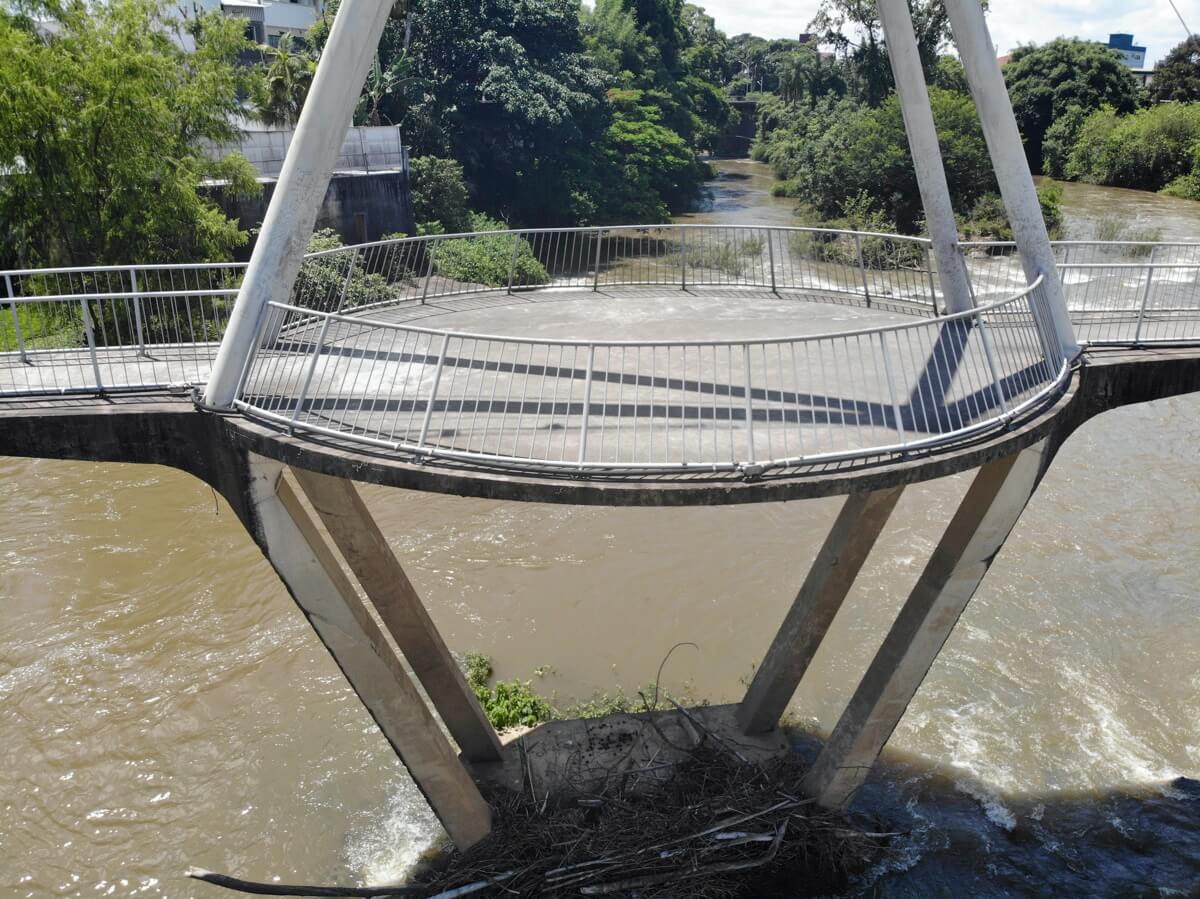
[[1151, 22]]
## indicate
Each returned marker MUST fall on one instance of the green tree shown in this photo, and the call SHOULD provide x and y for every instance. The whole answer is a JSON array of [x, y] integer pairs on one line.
[[508, 92], [102, 118], [1177, 78], [840, 152], [1147, 150], [1045, 82], [439, 195], [278, 94], [854, 29]]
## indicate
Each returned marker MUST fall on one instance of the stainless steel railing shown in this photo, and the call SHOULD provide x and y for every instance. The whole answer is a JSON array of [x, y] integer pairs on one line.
[[87, 330], [1117, 293], [600, 406]]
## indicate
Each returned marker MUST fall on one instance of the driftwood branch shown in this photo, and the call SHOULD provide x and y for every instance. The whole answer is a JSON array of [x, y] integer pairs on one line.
[[285, 889]]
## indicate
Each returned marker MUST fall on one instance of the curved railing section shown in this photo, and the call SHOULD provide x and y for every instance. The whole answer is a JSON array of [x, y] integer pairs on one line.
[[112, 328], [1118, 293], [605, 406]]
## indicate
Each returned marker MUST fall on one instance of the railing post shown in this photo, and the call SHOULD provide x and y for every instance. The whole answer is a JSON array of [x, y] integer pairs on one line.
[[12, 305], [749, 404], [89, 331], [308, 375], [596, 274], [683, 259], [512, 262], [430, 247], [932, 283], [346, 284], [891, 380], [862, 268], [437, 380], [137, 311], [587, 404], [1137, 334], [771, 257], [986, 336]]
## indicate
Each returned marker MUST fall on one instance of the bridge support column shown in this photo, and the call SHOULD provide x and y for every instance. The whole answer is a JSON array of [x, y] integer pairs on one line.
[[295, 547], [1017, 189], [834, 571], [926, 153], [387, 586], [984, 519]]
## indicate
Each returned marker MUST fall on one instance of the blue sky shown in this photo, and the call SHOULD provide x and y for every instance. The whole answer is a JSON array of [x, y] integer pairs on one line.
[[1151, 22]]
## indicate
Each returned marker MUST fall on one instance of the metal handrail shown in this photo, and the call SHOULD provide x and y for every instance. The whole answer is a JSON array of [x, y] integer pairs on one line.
[[430, 358], [550, 341]]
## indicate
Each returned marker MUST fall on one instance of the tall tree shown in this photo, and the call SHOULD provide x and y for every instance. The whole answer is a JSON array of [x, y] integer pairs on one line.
[[278, 95], [1177, 77], [853, 28], [1048, 81], [102, 117]]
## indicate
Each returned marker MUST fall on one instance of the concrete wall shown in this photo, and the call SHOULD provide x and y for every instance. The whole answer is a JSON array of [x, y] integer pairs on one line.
[[367, 148], [360, 207]]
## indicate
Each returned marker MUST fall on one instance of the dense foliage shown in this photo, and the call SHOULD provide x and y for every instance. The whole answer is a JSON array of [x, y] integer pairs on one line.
[[440, 201], [1049, 82], [1149, 150], [102, 119], [845, 159], [490, 258], [557, 114], [1177, 78]]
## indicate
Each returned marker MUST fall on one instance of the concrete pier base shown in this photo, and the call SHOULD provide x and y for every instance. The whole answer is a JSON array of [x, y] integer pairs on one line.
[[979, 528], [589, 755]]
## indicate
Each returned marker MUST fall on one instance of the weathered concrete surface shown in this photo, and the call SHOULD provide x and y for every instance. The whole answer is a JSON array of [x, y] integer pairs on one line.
[[590, 754], [163, 430]]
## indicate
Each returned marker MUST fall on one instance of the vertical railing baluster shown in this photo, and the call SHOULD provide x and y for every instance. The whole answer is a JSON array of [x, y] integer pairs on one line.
[[749, 404], [771, 257], [430, 247], [512, 262], [437, 380], [308, 375], [137, 311], [596, 274], [12, 305], [989, 352], [932, 283], [683, 258], [862, 268], [89, 332], [891, 380], [1137, 334], [587, 405]]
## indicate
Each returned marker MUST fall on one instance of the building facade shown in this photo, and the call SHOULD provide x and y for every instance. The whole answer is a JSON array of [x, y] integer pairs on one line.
[[1132, 55]]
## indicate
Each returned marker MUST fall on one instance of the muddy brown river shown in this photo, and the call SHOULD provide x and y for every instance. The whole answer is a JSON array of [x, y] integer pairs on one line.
[[164, 704]]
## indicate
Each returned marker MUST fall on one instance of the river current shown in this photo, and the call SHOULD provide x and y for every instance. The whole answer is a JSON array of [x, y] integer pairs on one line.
[[164, 704]]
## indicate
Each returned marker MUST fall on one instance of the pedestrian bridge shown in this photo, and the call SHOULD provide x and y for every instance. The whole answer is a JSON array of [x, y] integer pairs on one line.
[[665, 365], [636, 355]]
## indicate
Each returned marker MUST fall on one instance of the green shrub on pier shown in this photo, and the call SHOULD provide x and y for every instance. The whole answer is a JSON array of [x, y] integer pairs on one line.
[[487, 259], [506, 703]]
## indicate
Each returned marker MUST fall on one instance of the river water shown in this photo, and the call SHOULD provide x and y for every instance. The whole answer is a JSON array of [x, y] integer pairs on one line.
[[163, 703]]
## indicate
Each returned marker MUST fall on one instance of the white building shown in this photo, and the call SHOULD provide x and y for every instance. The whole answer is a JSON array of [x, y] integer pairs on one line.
[[266, 20], [1132, 55]]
